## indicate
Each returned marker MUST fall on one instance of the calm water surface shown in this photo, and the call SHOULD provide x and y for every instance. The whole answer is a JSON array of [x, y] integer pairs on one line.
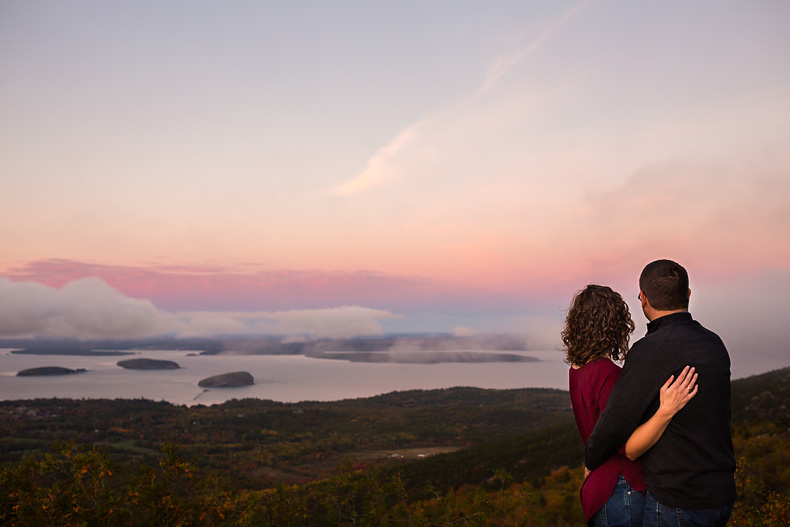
[[287, 378]]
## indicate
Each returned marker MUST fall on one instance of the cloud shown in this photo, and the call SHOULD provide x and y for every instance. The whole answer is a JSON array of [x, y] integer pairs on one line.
[[463, 331], [90, 309], [378, 169], [749, 313], [722, 218], [505, 63], [381, 166], [538, 332], [86, 308], [337, 322], [202, 288]]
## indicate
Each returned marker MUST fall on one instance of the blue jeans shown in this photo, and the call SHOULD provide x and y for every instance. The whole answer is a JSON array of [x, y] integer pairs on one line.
[[624, 508], [657, 515]]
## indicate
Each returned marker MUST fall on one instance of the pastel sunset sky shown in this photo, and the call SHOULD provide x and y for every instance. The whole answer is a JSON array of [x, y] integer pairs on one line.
[[351, 168]]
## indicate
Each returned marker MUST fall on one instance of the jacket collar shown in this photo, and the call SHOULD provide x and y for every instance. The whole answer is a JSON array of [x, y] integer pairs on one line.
[[668, 320]]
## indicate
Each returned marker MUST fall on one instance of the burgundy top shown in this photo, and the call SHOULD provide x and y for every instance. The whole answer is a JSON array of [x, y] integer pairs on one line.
[[590, 387]]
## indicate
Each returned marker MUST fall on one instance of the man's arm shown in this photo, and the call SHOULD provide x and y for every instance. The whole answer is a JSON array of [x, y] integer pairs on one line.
[[632, 395], [674, 396]]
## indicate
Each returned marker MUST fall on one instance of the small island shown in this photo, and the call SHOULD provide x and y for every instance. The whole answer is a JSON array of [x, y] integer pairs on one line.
[[228, 380], [148, 364], [48, 371]]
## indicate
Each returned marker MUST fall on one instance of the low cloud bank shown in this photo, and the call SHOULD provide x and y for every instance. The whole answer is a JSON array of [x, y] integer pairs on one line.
[[90, 309], [747, 312], [749, 315], [531, 331]]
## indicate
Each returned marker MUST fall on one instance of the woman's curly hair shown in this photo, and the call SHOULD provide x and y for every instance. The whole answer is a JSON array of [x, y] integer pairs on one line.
[[598, 325]]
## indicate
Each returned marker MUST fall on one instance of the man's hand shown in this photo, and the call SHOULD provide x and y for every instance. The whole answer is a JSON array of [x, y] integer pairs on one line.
[[673, 395]]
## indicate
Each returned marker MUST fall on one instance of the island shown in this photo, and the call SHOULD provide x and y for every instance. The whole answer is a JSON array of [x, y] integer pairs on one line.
[[228, 380], [48, 370], [421, 357], [148, 364]]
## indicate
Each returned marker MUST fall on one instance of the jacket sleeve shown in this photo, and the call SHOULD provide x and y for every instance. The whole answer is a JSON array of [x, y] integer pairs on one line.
[[631, 397]]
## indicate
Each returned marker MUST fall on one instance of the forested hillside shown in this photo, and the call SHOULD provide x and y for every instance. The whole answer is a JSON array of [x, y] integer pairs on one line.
[[441, 457]]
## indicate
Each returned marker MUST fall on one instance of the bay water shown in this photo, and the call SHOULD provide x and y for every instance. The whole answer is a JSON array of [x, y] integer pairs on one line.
[[285, 378]]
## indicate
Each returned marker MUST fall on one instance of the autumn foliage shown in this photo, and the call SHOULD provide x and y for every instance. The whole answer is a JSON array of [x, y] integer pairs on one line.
[[532, 479]]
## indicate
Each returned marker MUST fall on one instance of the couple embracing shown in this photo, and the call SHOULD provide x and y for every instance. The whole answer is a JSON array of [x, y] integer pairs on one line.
[[657, 444]]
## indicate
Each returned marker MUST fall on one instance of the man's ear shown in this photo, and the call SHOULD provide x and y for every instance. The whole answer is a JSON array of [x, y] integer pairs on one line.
[[688, 295], [643, 298]]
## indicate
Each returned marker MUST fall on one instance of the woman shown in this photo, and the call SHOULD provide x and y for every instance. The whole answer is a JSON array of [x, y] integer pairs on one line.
[[596, 332]]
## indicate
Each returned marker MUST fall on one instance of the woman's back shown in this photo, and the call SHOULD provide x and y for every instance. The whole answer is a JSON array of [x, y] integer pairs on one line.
[[590, 386]]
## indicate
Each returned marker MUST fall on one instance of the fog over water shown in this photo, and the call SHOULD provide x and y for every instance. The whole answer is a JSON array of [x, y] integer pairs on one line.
[[286, 378]]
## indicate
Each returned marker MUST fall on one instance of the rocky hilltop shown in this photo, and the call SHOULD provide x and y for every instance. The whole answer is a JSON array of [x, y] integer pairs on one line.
[[48, 370], [148, 364], [228, 380]]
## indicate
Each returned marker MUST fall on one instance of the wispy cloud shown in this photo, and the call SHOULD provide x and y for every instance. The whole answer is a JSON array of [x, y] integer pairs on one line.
[[377, 168], [380, 167], [505, 63]]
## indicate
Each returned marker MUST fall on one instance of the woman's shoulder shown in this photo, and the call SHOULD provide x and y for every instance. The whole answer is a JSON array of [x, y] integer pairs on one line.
[[602, 365], [596, 369]]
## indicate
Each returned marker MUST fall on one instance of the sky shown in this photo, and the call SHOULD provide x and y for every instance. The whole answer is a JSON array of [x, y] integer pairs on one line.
[[357, 168]]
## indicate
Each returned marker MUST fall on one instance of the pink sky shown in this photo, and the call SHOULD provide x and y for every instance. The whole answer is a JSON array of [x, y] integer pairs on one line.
[[445, 167]]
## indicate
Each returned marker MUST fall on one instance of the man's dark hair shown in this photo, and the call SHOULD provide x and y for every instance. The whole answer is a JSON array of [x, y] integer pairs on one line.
[[666, 285]]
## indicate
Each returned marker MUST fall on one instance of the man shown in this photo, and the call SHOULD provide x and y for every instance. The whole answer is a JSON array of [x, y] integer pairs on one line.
[[689, 473]]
